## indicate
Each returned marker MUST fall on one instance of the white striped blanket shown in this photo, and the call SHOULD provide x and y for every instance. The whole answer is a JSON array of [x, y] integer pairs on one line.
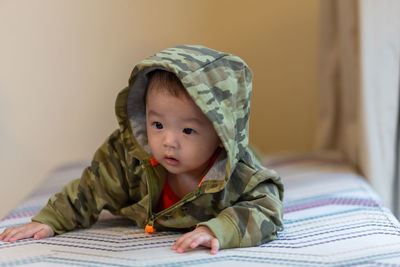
[[332, 218]]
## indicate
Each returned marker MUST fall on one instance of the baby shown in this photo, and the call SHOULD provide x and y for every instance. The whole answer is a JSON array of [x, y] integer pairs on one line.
[[179, 161]]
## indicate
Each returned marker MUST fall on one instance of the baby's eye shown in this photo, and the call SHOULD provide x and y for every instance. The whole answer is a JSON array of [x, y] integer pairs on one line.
[[158, 125], [189, 131]]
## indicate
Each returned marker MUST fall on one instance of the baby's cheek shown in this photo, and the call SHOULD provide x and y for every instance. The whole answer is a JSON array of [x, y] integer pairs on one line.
[[153, 145]]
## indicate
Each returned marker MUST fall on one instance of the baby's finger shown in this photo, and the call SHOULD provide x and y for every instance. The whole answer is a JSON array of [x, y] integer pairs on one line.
[[180, 240], [23, 233], [200, 239], [43, 233], [214, 246], [9, 234], [4, 233], [184, 244]]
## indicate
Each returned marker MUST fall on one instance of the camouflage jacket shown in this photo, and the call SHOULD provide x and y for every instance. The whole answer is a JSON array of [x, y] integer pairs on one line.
[[239, 200]]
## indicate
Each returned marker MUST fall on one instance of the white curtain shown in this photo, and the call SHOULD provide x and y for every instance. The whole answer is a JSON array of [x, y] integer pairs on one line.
[[360, 60]]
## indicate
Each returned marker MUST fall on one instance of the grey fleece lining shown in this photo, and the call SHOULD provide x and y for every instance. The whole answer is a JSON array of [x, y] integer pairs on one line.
[[136, 110], [217, 171], [136, 107]]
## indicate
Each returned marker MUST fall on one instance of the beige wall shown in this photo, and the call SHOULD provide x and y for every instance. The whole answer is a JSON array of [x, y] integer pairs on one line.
[[63, 62]]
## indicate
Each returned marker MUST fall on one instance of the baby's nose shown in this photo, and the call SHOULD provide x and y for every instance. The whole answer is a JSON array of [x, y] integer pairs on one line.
[[170, 140]]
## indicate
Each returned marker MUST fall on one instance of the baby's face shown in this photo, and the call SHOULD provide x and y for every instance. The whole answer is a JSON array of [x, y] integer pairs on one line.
[[180, 136]]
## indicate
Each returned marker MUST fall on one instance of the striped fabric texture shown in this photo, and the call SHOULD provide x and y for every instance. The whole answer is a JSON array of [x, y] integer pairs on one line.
[[332, 218]]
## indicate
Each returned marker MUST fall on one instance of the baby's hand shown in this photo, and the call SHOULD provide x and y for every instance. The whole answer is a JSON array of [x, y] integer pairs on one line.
[[202, 235], [32, 229]]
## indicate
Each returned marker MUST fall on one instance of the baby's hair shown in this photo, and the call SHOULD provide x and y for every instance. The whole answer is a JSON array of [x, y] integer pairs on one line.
[[162, 80]]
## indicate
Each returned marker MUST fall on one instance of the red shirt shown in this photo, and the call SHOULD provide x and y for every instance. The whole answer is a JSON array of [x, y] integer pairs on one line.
[[168, 197]]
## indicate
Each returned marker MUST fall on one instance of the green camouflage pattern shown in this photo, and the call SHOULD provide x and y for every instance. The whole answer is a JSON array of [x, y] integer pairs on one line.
[[239, 200]]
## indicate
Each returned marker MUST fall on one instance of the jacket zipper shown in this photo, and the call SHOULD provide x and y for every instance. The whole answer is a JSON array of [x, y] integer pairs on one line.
[[150, 224]]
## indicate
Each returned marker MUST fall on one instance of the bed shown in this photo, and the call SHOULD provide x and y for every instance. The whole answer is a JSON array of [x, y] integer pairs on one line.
[[332, 218]]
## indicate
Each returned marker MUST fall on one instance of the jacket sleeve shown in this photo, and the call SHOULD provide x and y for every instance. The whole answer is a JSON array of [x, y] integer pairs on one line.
[[102, 185], [255, 218]]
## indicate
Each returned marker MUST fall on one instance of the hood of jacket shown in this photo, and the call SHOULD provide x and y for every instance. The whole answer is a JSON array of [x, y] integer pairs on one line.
[[219, 83]]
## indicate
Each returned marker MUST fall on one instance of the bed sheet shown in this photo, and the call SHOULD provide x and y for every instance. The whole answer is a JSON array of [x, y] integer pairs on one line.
[[332, 218]]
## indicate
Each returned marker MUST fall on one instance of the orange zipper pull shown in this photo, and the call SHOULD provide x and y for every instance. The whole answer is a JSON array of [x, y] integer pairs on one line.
[[150, 229], [153, 162]]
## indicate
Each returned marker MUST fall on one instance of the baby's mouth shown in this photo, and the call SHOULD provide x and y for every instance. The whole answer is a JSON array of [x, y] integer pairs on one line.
[[171, 161]]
